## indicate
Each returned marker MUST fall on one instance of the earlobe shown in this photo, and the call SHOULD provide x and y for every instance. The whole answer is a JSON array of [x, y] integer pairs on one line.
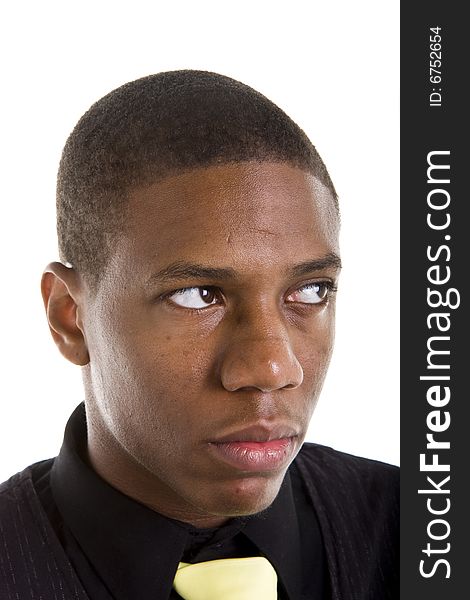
[[60, 293]]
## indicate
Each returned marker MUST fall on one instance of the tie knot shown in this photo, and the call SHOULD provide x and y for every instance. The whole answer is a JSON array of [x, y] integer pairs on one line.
[[252, 578]]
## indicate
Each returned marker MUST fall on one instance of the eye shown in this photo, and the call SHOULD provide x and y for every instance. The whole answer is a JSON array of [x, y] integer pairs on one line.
[[194, 297], [312, 293]]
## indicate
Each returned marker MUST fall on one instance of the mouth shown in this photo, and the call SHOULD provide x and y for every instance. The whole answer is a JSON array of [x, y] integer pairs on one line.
[[257, 449]]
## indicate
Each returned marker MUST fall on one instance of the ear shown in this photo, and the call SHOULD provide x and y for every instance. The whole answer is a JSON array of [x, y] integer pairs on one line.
[[61, 291]]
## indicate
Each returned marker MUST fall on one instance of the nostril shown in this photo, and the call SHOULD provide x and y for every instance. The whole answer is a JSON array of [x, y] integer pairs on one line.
[[290, 386], [263, 364]]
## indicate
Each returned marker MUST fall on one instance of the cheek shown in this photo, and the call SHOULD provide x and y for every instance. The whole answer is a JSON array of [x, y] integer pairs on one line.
[[179, 363], [148, 379], [314, 352]]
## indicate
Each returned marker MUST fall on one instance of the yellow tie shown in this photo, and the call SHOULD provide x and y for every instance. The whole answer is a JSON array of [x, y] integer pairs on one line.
[[252, 578]]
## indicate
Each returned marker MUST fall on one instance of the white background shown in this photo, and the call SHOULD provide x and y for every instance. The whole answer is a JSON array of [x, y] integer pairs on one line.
[[332, 66]]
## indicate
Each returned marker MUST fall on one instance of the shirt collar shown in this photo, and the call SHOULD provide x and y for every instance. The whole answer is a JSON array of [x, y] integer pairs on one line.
[[275, 532], [134, 548]]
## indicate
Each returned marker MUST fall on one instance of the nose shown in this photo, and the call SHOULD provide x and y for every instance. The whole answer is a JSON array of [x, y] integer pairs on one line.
[[261, 358]]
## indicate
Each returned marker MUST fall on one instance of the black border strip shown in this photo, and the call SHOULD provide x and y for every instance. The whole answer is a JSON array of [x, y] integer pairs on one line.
[[434, 127]]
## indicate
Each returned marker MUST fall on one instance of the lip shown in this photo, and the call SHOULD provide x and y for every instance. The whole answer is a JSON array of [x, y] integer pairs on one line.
[[258, 433], [256, 449]]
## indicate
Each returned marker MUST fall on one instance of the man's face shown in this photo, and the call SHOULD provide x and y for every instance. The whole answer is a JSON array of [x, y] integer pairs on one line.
[[209, 337]]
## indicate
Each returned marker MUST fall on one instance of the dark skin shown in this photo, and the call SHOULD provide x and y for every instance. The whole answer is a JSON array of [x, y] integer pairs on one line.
[[215, 312]]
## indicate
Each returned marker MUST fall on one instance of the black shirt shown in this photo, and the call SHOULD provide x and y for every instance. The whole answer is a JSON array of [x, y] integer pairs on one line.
[[122, 550]]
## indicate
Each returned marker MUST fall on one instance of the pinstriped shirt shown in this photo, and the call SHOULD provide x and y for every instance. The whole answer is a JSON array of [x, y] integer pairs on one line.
[[65, 534]]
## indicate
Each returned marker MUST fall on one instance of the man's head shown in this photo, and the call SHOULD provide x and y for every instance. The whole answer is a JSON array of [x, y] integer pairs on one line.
[[202, 230], [153, 128]]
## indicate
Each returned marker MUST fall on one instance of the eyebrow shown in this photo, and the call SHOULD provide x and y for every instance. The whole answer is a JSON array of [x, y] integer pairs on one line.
[[329, 261], [185, 270]]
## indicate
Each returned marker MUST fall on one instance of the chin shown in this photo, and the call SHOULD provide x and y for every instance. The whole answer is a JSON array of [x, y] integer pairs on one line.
[[247, 496]]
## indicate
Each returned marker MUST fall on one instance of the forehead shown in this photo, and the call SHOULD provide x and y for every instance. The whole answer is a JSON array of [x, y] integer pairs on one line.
[[264, 210]]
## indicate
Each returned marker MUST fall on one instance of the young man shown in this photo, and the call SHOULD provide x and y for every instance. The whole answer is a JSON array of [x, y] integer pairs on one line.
[[198, 232]]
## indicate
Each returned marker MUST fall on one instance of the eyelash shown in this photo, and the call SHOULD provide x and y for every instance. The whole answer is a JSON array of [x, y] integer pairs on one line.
[[331, 289]]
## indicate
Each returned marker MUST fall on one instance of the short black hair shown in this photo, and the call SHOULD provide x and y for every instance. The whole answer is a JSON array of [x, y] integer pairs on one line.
[[155, 127]]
